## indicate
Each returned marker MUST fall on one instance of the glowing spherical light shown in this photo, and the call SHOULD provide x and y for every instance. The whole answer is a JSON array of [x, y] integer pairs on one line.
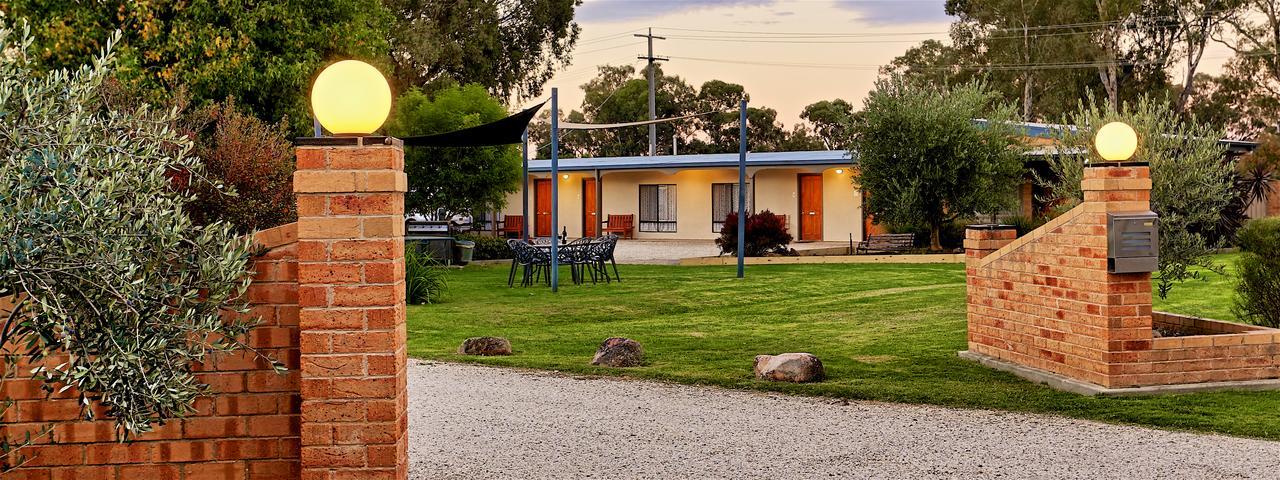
[[839, 171], [351, 98], [1116, 142], [566, 176]]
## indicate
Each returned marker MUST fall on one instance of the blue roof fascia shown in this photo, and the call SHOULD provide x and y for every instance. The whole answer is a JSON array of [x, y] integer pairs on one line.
[[717, 160]]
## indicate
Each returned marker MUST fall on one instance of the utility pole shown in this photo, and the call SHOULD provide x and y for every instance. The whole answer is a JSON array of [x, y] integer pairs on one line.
[[653, 104]]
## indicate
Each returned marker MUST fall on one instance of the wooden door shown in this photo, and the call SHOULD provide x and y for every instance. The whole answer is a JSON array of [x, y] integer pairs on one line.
[[589, 214], [810, 207], [542, 207]]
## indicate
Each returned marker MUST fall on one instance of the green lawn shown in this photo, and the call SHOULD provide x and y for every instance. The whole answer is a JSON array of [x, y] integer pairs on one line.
[[884, 332]]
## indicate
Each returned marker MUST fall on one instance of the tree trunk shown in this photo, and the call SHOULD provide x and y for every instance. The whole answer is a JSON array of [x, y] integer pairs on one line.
[[935, 238]]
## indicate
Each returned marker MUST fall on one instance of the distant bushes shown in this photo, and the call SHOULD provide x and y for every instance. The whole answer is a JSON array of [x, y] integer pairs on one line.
[[766, 233], [1258, 293], [488, 247]]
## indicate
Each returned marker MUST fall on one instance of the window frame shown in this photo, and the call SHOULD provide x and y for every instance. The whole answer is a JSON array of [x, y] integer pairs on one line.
[[657, 225], [717, 224]]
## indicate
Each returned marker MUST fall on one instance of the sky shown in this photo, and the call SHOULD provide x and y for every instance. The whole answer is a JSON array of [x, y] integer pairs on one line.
[[885, 29]]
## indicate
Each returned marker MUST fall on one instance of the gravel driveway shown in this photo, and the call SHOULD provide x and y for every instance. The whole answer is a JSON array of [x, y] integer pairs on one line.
[[482, 422]]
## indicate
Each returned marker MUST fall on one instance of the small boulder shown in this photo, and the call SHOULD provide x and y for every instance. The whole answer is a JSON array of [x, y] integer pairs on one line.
[[789, 367], [619, 352], [486, 346]]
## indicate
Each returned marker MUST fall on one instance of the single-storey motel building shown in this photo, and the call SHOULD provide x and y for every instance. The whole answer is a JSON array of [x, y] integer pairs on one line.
[[686, 197]]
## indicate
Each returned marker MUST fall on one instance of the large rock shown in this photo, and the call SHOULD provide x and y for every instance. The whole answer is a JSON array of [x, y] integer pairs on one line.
[[486, 346], [619, 352], [789, 367]]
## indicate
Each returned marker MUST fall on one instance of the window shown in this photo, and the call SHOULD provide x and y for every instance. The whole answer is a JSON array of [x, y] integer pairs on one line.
[[724, 200], [658, 208]]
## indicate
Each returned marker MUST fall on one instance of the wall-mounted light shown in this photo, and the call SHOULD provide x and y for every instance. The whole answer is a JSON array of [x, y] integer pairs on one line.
[[839, 171], [351, 98], [1116, 142], [565, 176]]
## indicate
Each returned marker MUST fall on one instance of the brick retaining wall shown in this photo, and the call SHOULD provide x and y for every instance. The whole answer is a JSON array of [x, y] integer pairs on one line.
[[249, 429], [1047, 301]]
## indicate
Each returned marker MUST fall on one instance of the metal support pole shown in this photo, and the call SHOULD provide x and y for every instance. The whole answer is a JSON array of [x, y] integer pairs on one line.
[[742, 187], [555, 190], [524, 177]]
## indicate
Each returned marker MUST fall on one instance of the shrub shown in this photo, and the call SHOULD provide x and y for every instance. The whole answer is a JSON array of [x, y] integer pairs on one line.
[[425, 280], [1258, 293], [109, 273], [252, 159], [488, 247], [766, 233], [1024, 224]]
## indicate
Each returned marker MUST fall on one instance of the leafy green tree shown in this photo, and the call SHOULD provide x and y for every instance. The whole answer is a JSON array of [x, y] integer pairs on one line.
[[1192, 184], [923, 158], [454, 180], [511, 47], [108, 272], [264, 55], [831, 120]]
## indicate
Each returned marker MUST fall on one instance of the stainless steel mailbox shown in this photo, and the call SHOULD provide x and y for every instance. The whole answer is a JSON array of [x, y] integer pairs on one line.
[[1133, 242]]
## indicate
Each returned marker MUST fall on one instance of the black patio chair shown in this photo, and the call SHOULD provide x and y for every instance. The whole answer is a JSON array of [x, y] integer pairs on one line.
[[608, 244], [577, 255], [536, 263]]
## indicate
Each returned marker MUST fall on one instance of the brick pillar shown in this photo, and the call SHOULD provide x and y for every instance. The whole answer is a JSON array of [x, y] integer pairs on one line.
[[352, 321], [1127, 305]]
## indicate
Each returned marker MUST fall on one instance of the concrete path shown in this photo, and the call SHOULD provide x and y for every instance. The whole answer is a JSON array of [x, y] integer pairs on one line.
[[480, 422], [671, 251]]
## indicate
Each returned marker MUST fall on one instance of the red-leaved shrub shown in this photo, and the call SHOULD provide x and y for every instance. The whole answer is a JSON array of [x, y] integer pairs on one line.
[[253, 160], [766, 233]]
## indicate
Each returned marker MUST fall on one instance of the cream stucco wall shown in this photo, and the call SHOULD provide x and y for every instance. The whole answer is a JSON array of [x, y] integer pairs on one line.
[[774, 189]]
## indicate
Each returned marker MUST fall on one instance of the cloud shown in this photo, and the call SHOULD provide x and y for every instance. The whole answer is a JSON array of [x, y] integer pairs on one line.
[[623, 10], [898, 12]]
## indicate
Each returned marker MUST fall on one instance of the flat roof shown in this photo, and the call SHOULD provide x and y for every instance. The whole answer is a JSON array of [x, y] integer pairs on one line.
[[710, 160]]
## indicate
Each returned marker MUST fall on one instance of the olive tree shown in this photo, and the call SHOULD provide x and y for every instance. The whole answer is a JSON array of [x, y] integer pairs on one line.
[[924, 159], [104, 270], [1192, 180]]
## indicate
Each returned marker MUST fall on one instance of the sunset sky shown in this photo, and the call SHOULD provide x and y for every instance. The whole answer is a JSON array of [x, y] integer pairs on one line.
[[886, 29]]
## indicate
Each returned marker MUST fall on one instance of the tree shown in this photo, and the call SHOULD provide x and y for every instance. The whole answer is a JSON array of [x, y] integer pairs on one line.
[[264, 56], [451, 181], [511, 47], [924, 160], [109, 274], [1191, 182], [830, 119]]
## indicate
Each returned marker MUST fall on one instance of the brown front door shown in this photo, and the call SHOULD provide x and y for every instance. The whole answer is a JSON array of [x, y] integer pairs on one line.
[[542, 207], [810, 207], [589, 214]]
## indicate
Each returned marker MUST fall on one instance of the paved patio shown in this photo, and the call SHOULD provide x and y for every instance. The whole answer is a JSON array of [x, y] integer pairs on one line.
[[483, 422], [671, 251]]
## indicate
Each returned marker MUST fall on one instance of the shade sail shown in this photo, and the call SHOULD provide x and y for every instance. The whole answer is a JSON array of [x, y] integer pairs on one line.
[[502, 132]]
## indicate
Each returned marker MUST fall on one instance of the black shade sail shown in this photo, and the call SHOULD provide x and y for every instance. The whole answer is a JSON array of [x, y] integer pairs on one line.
[[502, 132]]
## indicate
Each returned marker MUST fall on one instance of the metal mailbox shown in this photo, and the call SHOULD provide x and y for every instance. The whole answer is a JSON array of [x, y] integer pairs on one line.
[[1133, 242]]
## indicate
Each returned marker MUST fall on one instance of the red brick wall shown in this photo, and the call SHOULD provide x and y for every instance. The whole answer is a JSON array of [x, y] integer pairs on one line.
[[249, 429], [1047, 301]]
